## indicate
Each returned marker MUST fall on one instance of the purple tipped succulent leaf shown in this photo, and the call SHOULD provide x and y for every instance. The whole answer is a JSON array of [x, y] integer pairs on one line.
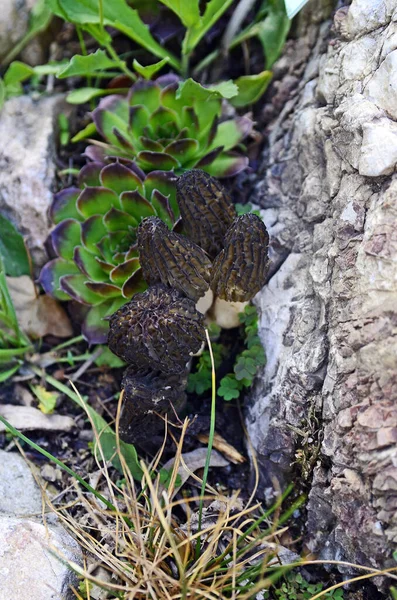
[[89, 174], [169, 100], [75, 287], [146, 93], [150, 161], [64, 205], [65, 237], [163, 208], [122, 272], [165, 182], [92, 232], [106, 290], [95, 153], [151, 145], [120, 178], [51, 274], [118, 220], [134, 284], [95, 328], [183, 150], [96, 201], [190, 121], [112, 111], [136, 205], [207, 159], [88, 264], [162, 117], [227, 164], [138, 119]]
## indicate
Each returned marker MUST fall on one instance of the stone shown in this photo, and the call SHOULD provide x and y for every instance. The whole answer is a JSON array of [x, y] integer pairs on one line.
[[32, 560], [14, 22], [382, 87], [19, 494], [27, 418], [378, 154], [27, 170]]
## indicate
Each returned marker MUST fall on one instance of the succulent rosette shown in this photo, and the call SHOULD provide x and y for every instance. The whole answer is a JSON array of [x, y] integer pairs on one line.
[[163, 126], [94, 239]]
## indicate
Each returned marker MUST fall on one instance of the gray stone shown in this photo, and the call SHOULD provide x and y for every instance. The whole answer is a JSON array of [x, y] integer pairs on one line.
[[27, 172], [19, 494], [14, 21], [329, 312], [32, 560]]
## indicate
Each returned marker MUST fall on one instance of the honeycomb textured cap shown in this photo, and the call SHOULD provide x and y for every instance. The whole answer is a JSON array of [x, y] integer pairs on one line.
[[240, 270], [172, 259], [148, 395], [206, 209], [158, 328]]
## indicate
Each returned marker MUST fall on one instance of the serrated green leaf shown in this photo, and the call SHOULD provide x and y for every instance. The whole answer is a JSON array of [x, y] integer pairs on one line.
[[273, 31], [187, 11], [12, 250], [2, 93], [87, 65], [150, 70], [192, 90], [116, 14], [251, 88]]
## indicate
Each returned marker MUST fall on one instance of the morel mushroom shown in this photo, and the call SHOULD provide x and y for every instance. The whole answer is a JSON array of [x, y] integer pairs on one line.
[[206, 209], [159, 329], [240, 270], [171, 258], [149, 395]]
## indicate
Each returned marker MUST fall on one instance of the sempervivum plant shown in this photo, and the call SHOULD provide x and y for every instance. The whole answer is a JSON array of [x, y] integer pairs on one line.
[[94, 240], [163, 126]]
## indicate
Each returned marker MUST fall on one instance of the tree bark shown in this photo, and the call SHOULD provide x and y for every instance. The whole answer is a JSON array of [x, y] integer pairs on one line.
[[327, 399]]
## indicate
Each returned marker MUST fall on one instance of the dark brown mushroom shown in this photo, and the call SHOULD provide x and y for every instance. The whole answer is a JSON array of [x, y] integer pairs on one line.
[[159, 328], [206, 209], [149, 396], [172, 259], [240, 270]]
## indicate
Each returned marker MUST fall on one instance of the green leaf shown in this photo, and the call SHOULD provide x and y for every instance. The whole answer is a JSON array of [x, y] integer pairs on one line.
[[273, 31], [17, 72], [108, 443], [108, 359], [245, 368], [229, 388], [83, 95], [251, 88], [2, 93], [187, 11], [88, 131], [190, 90], [12, 250], [227, 89], [87, 65], [213, 11], [4, 375], [47, 400], [150, 70], [116, 13]]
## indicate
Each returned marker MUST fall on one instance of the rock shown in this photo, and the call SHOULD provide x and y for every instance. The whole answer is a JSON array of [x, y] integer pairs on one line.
[[19, 494], [29, 566], [14, 22], [27, 171], [329, 311], [27, 418], [378, 154]]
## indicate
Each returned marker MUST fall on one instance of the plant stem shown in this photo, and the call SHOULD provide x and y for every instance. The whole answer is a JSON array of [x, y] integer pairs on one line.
[[185, 65], [210, 441], [120, 63]]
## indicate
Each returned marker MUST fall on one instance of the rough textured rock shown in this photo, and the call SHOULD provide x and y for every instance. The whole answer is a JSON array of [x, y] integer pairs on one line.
[[29, 564], [329, 311], [27, 133], [19, 494], [14, 21], [29, 567]]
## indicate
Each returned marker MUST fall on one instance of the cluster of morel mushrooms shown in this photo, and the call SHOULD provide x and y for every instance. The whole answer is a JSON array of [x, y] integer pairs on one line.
[[220, 260]]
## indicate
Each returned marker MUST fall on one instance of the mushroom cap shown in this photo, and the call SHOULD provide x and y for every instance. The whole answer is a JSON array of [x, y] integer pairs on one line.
[[158, 328], [148, 394], [240, 269], [206, 209], [172, 259]]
